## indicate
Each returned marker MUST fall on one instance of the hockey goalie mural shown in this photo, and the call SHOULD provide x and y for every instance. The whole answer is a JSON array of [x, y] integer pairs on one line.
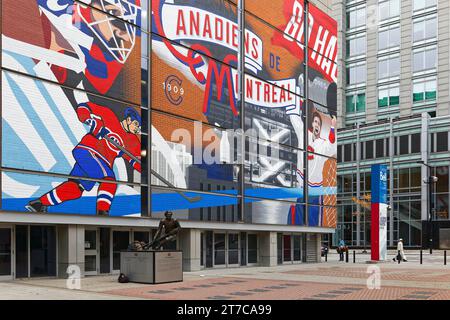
[[71, 115], [195, 90]]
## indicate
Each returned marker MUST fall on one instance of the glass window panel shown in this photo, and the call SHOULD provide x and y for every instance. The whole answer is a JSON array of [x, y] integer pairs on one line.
[[120, 243], [379, 148], [90, 239], [404, 146], [350, 104], [403, 178], [418, 92], [361, 17], [430, 90], [219, 257], [418, 30], [361, 74], [415, 143], [5, 251], [369, 149], [361, 45], [233, 241], [383, 8], [430, 59], [416, 180], [442, 141], [219, 241], [361, 102], [394, 8], [142, 236], [394, 96], [383, 98], [347, 152], [418, 61], [349, 20], [430, 28], [394, 37], [418, 4], [383, 40], [394, 67], [233, 257], [382, 69], [443, 176]]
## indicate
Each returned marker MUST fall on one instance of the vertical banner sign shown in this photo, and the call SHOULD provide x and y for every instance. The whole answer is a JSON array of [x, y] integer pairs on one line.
[[379, 212]]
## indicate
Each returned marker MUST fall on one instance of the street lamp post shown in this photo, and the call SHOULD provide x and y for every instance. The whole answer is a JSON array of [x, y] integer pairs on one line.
[[430, 181]]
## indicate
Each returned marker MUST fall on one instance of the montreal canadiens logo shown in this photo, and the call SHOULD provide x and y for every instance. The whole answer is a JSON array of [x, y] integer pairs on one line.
[[173, 89], [117, 139]]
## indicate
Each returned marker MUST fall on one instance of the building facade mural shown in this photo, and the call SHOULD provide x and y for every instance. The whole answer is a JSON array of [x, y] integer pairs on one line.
[[74, 103]]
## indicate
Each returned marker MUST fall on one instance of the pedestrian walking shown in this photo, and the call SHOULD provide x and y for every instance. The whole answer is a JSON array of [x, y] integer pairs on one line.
[[341, 249], [400, 252]]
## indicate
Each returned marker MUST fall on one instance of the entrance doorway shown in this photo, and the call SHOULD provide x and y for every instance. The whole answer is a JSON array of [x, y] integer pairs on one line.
[[6, 261], [91, 251], [120, 242], [35, 251]]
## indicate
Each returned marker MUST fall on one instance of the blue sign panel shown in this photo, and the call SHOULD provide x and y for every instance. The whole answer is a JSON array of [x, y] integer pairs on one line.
[[379, 183]]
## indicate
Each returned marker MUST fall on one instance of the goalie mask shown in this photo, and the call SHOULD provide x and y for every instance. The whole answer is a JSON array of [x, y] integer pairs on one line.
[[118, 35]]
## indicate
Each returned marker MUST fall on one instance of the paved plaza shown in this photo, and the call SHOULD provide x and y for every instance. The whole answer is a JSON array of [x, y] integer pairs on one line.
[[331, 280]]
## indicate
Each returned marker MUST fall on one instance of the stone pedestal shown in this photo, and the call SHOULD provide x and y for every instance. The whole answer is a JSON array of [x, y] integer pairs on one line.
[[152, 266]]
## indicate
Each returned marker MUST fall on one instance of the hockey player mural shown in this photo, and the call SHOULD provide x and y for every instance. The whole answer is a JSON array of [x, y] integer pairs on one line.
[[195, 48], [84, 52], [95, 156]]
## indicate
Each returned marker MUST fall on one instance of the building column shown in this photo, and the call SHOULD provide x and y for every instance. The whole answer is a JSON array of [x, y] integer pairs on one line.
[[190, 245], [268, 249], [70, 249], [424, 169], [391, 182], [358, 189]]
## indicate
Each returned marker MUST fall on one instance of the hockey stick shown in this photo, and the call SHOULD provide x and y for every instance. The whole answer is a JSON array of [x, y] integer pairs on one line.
[[157, 175]]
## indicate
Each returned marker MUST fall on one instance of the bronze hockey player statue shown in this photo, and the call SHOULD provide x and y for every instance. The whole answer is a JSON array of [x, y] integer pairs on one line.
[[167, 232]]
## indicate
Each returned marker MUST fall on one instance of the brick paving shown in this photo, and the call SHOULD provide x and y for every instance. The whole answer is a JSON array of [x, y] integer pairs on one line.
[[258, 289], [331, 281]]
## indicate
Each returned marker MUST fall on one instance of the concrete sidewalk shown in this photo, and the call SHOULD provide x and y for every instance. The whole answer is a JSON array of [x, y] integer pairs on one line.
[[330, 280]]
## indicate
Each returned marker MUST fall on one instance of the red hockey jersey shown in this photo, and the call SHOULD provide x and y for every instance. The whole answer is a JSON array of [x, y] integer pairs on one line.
[[103, 121]]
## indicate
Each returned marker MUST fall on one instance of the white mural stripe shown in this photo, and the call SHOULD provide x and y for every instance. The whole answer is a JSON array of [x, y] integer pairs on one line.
[[41, 54], [14, 189], [46, 115], [17, 118], [60, 99]]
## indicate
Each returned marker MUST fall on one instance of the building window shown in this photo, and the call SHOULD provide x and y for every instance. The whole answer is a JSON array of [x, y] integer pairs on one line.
[[388, 96], [424, 59], [355, 102], [252, 251], [369, 149], [388, 68], [415, 143], [219, 248], [442, 141], [424, 89], [388, 9], [356, 17], [339, 154], [404, 145], [356, 74], [379, 146], [388, 38], [424, 29], [356, 46], [423, 4], [347, 152]]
